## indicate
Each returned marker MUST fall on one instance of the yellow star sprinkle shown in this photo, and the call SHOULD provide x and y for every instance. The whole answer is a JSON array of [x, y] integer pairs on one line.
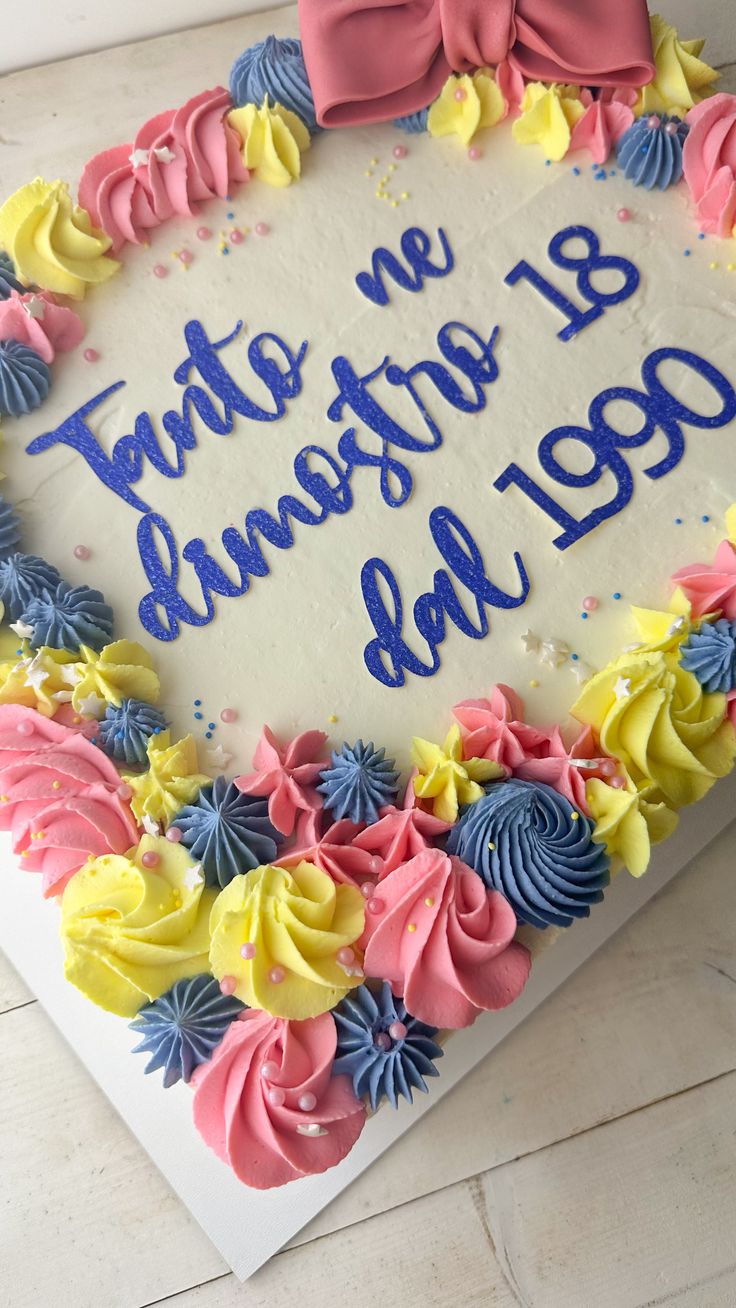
[[171, 782], [446, 777]]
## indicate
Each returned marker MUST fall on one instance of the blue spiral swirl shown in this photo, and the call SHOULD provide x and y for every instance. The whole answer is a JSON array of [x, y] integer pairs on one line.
[[526, 840], [22, 578], [25, 380], [68, 617], [274, 68]]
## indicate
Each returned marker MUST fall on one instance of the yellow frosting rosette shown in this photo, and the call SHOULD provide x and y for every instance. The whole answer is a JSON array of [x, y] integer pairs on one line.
[[171, 781], [277, 936], [653, 715], [627, 822], [682, 79], [52, 242], [446, 778], [274, 140], [465, 105], [38, 679], [122, 670], [130, 930], [548, 115]]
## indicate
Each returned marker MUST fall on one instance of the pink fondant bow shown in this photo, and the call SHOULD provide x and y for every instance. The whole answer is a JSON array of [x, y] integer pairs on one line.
[[369, 60]]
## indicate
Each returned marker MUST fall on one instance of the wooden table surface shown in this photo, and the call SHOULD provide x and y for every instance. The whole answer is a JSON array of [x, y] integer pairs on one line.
[[590, 1162]]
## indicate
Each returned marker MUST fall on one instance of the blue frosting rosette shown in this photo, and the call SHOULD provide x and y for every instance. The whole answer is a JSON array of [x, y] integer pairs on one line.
[[526, 840], [383, 1049], [274, 68], [183, 1027]]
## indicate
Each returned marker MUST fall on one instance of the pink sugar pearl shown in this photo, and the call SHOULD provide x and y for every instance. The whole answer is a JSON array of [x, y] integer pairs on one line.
[[248, 951], [624, 215], [346, 956], [276, 1097], [397, 1031], [400, 152], [204, 233], [229, 715], [474, 153], [382, 1040], [461, 94], [375, 905], [185, 257], [82, 552], [236, 236], [25, 728], [590, 603], [91, 355], [269, 1070], [262, 229], [367, 889], [276, 976], [671, 129], [160, 270], [227, 985], [150, 858], [174, 834], [376, 864], [652, 122], [307, 1101], [125, 791]]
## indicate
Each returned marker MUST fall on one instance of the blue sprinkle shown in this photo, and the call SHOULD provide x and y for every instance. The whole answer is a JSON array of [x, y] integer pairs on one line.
[[208, 735], [612, 172], [228, 198], [156, 731], [574, 657], [701, 236], [584, 616], [686, 253], [19, 651], [706, 517], [547, 163], [230, 215], [212, 725], [617, 594], [199, 716], [576, 172], [226, 250], [601, 176], [93, 741], [197, 703], [678, 522]]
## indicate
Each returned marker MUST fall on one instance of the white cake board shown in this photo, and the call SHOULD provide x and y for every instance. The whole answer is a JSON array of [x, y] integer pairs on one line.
[[248, 1226]]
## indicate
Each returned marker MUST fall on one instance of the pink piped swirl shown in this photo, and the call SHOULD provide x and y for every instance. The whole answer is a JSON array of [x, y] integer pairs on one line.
[[49, 329], [709, 163], [561, 767], [60, 799], [247, 1100], [495, 728], [444, 941], [178, 158], [335, 853], [115, 197], [600, 127], [288, 775], [711, 587]]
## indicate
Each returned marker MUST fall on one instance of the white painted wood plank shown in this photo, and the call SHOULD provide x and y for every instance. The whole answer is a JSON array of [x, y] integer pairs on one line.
[[13, 991], [635, 1214]]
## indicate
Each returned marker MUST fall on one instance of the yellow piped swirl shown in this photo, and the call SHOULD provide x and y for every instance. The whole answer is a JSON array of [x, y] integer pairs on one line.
[[52, 242], [297, 920], [682, 78], [273, 141], [548, 115], [465, 105], [651, 714], [130, 931]]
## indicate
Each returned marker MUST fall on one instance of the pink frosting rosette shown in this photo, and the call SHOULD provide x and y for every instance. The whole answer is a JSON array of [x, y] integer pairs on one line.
[[711, 587], [36, 320], [568, 770], [336, 852], [495, 728], [288, 775], [400, 833], [61, 800], [267, 1102], [600, 127], [116, 199], [709, 162], [444, 941]]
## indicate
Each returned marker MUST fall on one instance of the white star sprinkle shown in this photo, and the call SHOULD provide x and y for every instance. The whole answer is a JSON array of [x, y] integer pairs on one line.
[[150, 827], [352, 969], [554, 652], [581, 671], [63, 696], [70, 673], [622, 689], [35, 307], [311, 1128], [139, 158], [676, 626], [164, 154], [22, 630], [530, 642], [193, 877], [216, 760], [91, 706], [35, 672]]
